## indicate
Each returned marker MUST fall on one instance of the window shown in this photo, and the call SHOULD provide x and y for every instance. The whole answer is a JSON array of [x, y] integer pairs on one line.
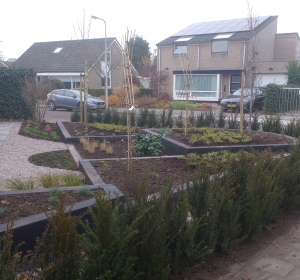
[[235, 83], [200, 86], [103, 81], [69, 93], [219, 46], [57, 50], [180, 49]]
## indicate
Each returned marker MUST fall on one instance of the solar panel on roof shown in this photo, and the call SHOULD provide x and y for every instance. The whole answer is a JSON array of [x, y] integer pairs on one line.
[[231, 25]]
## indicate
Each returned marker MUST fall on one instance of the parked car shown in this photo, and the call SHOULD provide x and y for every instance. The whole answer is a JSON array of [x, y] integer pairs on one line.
[[232, 102], [70, 99]]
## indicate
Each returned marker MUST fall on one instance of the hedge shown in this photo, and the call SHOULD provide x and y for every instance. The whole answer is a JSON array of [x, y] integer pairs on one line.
[[16, 100]]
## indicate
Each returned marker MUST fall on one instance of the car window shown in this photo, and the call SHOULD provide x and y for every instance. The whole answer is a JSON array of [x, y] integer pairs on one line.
[[59, 92], [69, 93]]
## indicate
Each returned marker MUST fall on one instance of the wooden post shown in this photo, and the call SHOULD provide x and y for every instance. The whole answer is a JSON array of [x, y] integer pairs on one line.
[[80, 102], [86, 88], [242, 102]]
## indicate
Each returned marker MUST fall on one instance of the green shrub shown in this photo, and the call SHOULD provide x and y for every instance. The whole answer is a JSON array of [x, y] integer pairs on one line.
[[75, 116], [145, 92], [58, 252], [97, 92], [18, 184], [271, 100], [292, 128], [16, 100], [148, 144], [272, 123], [181, 105]]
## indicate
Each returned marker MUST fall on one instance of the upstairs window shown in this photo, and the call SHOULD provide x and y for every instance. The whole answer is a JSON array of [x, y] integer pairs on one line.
[[180, 45], [219, 43], [180, 49], [219, 46]]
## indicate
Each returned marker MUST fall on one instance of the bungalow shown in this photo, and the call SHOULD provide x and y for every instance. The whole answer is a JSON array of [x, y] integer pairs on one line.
[[65, 60]]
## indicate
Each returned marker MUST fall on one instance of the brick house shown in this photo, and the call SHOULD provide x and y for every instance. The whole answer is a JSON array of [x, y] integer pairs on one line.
[[218, 51], [65, 61]]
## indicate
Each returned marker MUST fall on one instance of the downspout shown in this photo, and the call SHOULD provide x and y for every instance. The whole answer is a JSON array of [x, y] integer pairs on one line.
[[244, 54], [198, 60], [158, 69]]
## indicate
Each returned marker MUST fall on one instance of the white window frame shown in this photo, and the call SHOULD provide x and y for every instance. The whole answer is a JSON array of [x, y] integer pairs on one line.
[[180, 95]]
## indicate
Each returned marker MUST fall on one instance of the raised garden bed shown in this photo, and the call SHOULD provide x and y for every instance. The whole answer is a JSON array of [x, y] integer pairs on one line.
[[30, 210], [71, 132], [177, 143]]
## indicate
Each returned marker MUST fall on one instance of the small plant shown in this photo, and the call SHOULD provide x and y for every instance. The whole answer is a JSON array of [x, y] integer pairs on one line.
[[148, 144], [18, 184], [54, 195], [84, 191], [72, 179], [255, 124], [109, 150], [75, 116], [233, 121], [49, 180], [272, 124], [179, 121], [102, 146]]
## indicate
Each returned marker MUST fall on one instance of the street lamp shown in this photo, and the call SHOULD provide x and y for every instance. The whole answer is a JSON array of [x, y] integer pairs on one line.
[[106, 89]]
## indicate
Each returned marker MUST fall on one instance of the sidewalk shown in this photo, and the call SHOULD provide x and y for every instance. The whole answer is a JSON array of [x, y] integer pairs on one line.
[[5, 128]]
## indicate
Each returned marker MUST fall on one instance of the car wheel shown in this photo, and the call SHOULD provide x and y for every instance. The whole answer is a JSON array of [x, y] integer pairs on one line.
[[51, 106]]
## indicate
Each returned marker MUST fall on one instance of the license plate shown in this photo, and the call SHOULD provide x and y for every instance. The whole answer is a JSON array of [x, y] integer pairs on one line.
[[101, 106], [232, 105]]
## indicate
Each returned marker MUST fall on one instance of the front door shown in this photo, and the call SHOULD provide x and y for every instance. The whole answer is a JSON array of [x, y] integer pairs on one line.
[[235, 83]]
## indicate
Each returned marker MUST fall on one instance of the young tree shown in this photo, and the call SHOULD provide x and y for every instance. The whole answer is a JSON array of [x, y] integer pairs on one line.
[[251, 69], [293, 75], [140, 51]]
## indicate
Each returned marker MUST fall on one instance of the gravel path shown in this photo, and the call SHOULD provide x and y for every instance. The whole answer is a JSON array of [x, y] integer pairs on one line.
[[14, 156]]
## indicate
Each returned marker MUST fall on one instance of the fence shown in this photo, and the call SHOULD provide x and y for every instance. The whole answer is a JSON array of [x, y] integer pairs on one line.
[[288, 100]]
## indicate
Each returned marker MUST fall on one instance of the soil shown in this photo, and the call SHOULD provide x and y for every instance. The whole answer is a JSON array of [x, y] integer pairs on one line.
[[151, 173], [18, 206], [62, 159]]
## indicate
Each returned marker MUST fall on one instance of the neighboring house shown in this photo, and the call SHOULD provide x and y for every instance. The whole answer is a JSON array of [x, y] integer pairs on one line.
[[65, 61], [2, 64], [218, 51]]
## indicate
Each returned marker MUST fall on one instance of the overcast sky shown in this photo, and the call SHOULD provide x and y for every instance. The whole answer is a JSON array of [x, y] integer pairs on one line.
[[23, 22]]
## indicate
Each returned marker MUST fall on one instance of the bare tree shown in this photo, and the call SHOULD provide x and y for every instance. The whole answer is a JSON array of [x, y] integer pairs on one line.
[[252, 68], [128, 89], [186, 63], [34, 94]]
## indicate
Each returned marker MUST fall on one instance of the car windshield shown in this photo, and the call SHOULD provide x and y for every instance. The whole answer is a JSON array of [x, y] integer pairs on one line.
[[246, 92]]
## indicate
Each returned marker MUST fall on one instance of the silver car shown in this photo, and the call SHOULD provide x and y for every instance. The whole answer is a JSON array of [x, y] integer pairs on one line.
[[70, 99]]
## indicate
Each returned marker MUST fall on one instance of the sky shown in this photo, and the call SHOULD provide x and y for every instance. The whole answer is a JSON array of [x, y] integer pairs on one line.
[[24, 22]]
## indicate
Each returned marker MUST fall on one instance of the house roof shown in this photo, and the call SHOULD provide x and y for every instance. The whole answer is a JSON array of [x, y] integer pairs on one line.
[[204, 32], [62, 56]]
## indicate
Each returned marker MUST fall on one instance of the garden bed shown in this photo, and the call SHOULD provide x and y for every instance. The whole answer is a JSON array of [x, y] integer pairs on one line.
[[152, 173]]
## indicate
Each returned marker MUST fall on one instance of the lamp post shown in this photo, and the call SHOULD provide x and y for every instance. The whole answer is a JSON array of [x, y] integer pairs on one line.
[[106, 89]]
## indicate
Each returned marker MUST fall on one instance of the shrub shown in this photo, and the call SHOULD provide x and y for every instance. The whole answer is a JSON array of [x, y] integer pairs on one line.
[[272, 124], [145, 92], [75, 116], [15, 101], [148, 145]]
